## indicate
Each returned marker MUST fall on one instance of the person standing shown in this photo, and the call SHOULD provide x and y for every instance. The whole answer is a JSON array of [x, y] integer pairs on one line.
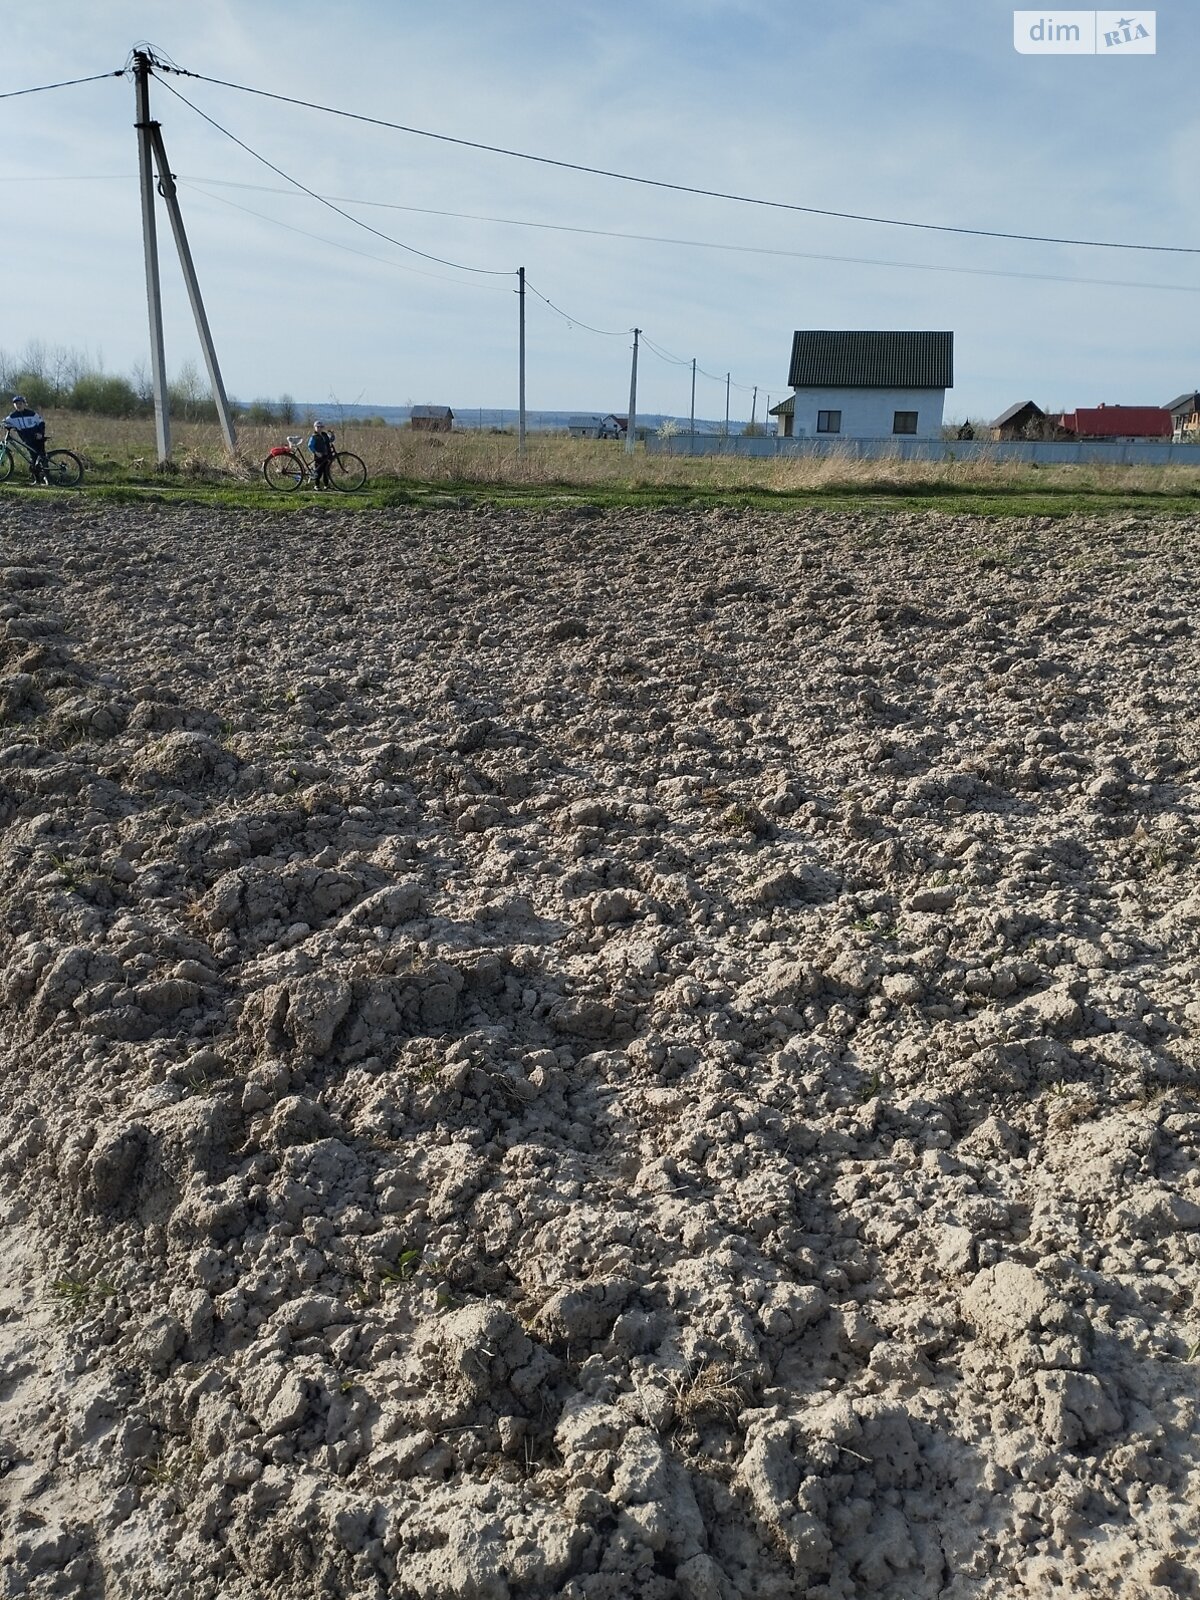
[[321, 445], [30, 428]]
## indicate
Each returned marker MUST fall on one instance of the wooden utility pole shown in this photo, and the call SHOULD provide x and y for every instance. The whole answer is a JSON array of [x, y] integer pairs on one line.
[[521, 421], [158, 360], [753, 407], [727, 405], [631, 424], [693, 397]]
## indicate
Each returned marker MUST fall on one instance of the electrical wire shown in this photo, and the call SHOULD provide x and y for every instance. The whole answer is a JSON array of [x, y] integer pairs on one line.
[[684, 361], [67, 83], [443, 261], [649, 238], [337, 244], [643, 238], [66, 177], [607, 333], [687, 188], [675, 361]]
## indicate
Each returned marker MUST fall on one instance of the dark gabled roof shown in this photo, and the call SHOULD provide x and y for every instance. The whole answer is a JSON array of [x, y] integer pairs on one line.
[[432, 411], [1015, 411], [841, 359], [785, 408], [1185, 402]]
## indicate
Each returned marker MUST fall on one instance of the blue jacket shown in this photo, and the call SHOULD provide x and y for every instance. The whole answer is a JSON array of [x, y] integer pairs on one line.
[[321, 444], [25, 422]]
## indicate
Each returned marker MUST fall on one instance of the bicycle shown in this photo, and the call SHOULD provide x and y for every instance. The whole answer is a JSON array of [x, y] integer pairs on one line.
[[62, 468], [286, 467]]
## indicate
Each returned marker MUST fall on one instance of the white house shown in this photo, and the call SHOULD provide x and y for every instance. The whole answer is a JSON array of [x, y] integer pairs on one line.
[[872, 385], [589, 426]]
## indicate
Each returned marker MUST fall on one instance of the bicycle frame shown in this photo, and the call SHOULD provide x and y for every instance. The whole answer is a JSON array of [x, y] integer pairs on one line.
[[56, 467], [346, 465], [13, 444]]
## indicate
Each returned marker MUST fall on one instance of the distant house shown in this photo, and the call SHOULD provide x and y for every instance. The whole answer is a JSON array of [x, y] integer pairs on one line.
[[1119, 423], [867, 385], [432, 419], [1185, 418], [1025, 420], [590, 426]]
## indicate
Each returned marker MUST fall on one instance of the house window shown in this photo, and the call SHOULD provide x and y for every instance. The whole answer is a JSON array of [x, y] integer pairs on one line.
[[904, 422], [829, 422]]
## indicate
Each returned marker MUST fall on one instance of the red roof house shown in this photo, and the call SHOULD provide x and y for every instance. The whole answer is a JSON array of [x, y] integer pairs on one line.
[[1118, 422]]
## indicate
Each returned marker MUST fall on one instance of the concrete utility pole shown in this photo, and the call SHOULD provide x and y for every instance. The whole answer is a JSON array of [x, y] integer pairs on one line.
[[727, 405], [631, 426], [693, 397], [521, 421], [158, 360], [166, 187], [753, 407]]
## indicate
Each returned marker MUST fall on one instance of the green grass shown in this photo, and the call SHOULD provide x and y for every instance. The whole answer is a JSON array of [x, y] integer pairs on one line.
[[75, 1297], [390, 495], [460, 470]]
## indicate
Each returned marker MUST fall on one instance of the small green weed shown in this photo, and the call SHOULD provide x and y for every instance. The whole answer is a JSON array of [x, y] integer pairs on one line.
[[407, 1264], [76, 1297], [68, 872]]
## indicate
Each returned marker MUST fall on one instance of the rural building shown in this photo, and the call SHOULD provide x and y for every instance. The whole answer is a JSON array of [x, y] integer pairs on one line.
[[432, 419], [866, 385], [1117, 422], [1025, 420], [1185, 418], [589, 426]]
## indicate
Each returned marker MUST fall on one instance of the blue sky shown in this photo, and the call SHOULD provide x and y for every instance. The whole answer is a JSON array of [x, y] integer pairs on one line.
[[922, 111]]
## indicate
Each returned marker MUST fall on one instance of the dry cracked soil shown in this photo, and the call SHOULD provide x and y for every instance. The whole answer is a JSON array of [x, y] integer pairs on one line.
[[596, 1055]]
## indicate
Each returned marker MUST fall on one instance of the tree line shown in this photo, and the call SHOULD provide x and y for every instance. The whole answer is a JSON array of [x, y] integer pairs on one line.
[[70, 380]]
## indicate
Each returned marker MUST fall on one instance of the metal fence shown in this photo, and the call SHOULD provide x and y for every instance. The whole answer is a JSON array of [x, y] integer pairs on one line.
[[1144, 453]]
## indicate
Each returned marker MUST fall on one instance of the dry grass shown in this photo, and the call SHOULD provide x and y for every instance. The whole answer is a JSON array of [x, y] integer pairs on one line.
[[492, 459]]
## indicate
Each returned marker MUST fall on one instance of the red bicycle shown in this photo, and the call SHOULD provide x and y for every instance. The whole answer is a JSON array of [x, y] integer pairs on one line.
[[287, 466]]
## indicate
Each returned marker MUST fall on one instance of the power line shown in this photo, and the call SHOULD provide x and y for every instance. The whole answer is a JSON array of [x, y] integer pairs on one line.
[[487, 272], [638, 238], [684, 361], [687, 188], [675, 361], [607, 333], [735, 249], [337, 244], [67, 83]]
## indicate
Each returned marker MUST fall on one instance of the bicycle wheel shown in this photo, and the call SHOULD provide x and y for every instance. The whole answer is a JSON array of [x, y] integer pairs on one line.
[[6, 465], [284, 472], [63, 469], [348, 471]]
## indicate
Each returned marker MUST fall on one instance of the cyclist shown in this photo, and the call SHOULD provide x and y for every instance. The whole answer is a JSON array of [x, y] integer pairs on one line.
[[30, 428], [321, 445]]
